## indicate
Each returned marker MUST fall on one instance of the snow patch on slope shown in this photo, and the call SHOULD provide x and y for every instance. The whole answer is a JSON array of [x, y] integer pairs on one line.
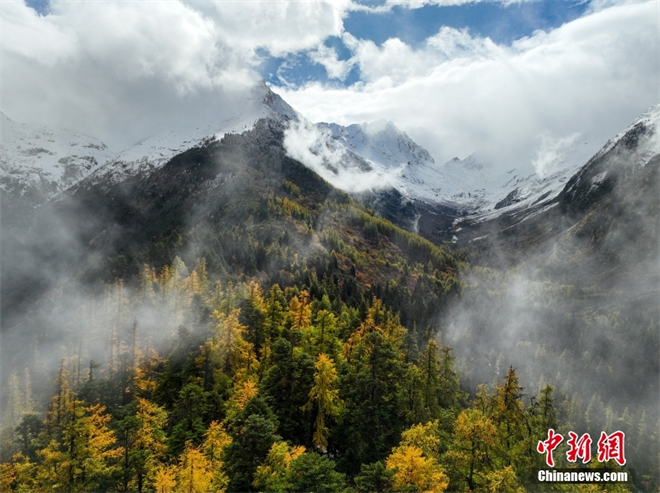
[[46, 160]]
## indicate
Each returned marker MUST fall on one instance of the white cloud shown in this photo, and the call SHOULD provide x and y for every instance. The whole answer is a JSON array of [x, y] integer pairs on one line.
[[460, 94], [28, 35], [316, 149], [328, 57], [280, 27], [416, 4], [125, 70], [395, 63], [552, 152]]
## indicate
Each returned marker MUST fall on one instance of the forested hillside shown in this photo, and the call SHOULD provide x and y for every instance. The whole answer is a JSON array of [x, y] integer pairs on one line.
[[278, 390]]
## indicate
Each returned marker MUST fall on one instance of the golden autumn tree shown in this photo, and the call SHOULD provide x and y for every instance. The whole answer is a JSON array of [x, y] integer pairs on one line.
[[324, 395], [415, 460], [505, 479], [269, 476], [215, 441], [300, 311], [378, 319], [471, 452], [84, 457], [193, 473], [231, 351], [424, 436], [242, 393], [146, 444], [18, 475], [165, 479], [415, 472]]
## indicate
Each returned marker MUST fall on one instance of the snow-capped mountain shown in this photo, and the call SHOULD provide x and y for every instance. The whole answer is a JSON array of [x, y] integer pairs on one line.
[[621, 172], [359, 158], [155, 151], [640, 141], [363, 157], [380, 142], [378, 156], [47, 160], [622, 157], [44, 161]]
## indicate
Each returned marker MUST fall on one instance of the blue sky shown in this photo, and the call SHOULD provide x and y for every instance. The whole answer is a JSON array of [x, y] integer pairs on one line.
[[42, 7], [501, 23]]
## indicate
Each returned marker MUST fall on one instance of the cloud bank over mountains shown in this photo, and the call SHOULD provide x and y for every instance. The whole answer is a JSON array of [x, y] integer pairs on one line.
[[123, 71], [460, 94]]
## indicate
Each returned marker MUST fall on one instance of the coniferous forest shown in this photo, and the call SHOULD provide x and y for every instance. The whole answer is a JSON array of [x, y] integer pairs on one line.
[[234, 323]]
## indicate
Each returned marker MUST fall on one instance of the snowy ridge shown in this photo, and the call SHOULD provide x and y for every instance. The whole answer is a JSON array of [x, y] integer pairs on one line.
[[42, 162], [378, 155], [363, 157], [45, 160], [380, 142], [355, 158], [155, 151], [373, 156], [649, 120]]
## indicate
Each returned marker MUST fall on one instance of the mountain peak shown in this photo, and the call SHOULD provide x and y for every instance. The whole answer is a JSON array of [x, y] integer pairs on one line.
[[380, 142], [280, 108], [381, 126], [155, 151]]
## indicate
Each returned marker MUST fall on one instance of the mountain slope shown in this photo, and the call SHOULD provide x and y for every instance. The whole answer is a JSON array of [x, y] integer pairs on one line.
[[577, 275], [38, 162], [239, 199], [618, 164]]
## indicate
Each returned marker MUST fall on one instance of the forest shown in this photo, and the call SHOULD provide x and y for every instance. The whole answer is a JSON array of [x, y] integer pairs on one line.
[[281, 390]]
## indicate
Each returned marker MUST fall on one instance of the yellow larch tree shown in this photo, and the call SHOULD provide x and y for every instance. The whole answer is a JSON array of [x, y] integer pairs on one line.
[[424, 436], [84, 456], [300, 311], [165, 479], [415, 460], [230, 350], [378, 319], [194, 473], [269, 475], [413, 471], [18, 475], [242, 393], [148, 442], [470, 454], [215, 441], [325, 396]]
